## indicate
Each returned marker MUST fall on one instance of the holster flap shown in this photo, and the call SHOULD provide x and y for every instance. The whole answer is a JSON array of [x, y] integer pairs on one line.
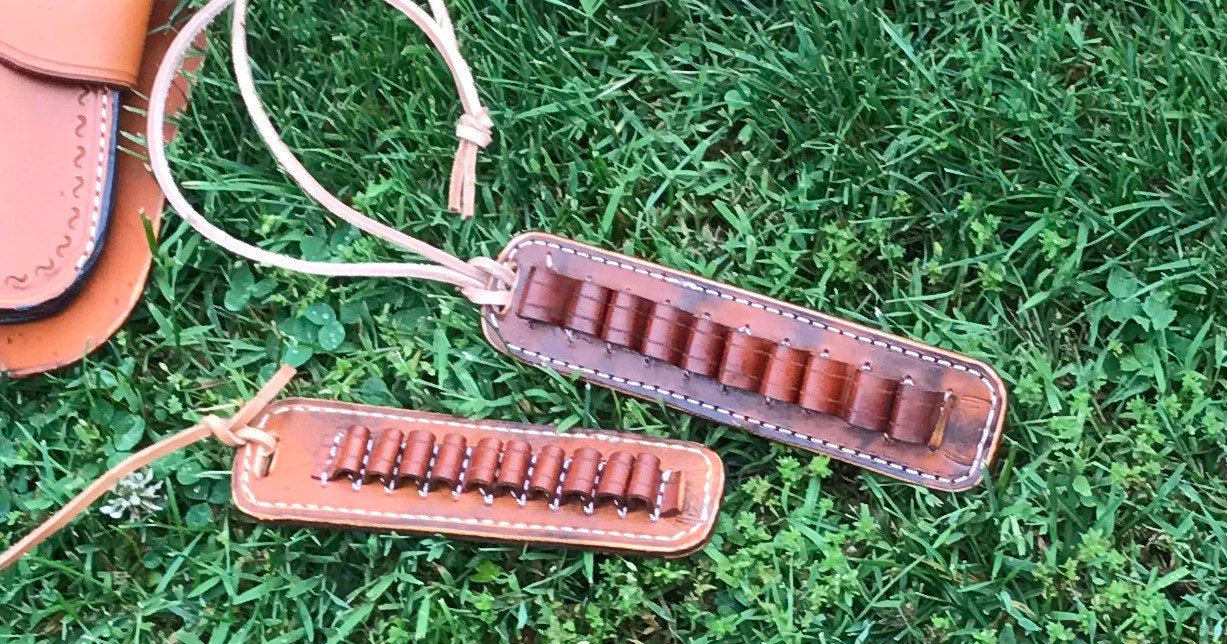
[[97, 41]]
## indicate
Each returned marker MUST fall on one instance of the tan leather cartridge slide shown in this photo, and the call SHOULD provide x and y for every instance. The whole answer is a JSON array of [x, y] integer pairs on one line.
[[899, 407], [357, 466]]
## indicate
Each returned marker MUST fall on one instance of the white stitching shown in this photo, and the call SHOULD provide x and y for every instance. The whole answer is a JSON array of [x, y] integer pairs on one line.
[[562, 479], [660, 493], [96, 205], [976, 464], [395, 473], [366, 459], [464, 469], [430, 470], [248, 468], [590, 506], [532, 464], [332, 454]]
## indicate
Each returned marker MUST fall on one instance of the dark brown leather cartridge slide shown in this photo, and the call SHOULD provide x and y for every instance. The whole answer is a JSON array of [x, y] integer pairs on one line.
[[355, 466], [899, 407]]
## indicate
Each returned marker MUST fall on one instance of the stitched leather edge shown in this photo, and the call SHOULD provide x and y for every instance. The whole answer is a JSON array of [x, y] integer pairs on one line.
[[104, 96], [250, 452], [96, 42], [975, 470], [108, 102]]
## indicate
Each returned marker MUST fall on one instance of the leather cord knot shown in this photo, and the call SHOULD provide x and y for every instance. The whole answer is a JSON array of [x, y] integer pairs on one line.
[[502, 278], [223, 431], [475, 128], [503, 275]]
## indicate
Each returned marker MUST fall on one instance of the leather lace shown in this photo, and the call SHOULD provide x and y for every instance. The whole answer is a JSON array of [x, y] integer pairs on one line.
[[233, 431], [482, 280]]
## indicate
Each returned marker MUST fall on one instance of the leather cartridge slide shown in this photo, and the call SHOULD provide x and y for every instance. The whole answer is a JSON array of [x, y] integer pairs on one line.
[[339, 464], [376, 468], [73, 204], [896, 406]]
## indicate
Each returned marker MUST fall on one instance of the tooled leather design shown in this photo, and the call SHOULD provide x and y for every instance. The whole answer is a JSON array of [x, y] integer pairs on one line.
[[699, 516], [98, 174], [99, 305], [94, 175], [865, 408]]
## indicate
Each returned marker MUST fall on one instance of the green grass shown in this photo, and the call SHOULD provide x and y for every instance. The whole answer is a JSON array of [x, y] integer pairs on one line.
[[1040, 187]]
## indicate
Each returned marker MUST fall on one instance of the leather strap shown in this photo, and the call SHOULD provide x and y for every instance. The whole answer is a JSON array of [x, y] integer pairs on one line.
[[233, 431], [356, 466], [97, 41], [481, 280]]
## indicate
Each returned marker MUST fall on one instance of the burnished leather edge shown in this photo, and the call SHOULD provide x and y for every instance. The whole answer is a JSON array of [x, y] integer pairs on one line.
[[990, 438], [681, 544], [25, 43]]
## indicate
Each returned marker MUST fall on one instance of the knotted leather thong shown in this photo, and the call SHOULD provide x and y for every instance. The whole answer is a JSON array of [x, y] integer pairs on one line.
[[323, 462]]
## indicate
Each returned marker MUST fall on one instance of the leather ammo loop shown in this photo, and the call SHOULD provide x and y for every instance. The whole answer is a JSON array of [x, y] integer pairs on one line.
[[632, 480], [732, 357], [473, 130], [224, 430], [357, 466], [795, 375]]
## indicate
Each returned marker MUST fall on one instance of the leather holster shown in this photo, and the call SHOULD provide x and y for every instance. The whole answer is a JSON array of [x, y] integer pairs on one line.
[[75, 195]]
